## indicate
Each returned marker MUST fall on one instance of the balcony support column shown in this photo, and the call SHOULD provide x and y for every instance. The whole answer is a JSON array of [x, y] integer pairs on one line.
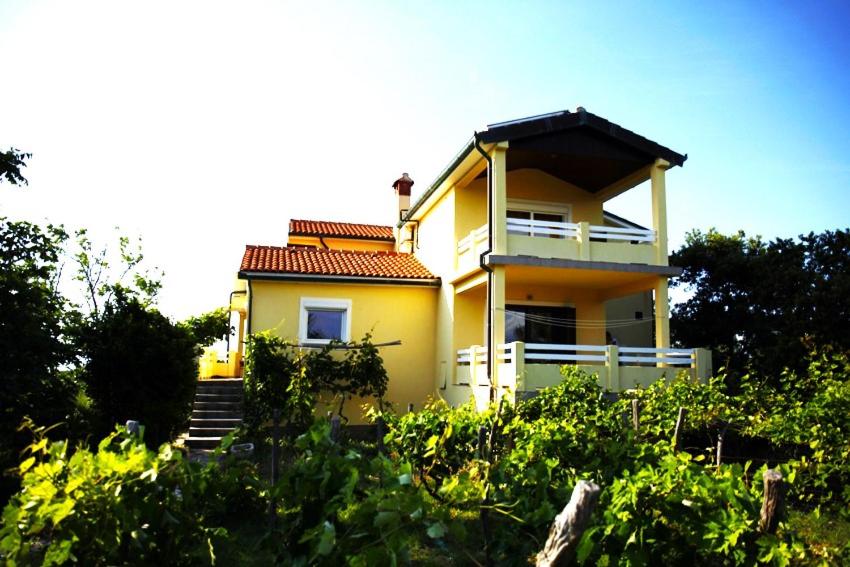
[[500, 198], [497, 306], [662, 316], [591, 310], [584, 240], [659, 209]]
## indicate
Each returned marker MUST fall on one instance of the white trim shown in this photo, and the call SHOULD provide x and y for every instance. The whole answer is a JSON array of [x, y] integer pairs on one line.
[[324, 303]]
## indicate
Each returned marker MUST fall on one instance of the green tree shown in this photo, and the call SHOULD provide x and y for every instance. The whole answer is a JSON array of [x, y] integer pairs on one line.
[[209, 327], [760, 305], [138, 365], [11, 162], [32, 329]]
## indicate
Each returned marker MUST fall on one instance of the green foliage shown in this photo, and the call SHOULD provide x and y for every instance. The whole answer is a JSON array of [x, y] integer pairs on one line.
[[283, 376], [337, 505], [11, 162], [102, 285], [32, 345], [209, 327], [138, 365], [758, 305], [125, 504]]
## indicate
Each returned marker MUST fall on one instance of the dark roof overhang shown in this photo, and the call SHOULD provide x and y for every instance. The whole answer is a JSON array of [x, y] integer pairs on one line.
[[580, 148]]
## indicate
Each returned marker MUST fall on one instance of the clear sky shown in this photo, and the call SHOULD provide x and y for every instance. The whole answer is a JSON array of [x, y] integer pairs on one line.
[[203, 126]]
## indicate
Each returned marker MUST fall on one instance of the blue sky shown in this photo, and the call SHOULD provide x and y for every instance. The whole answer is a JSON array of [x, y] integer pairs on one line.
[[203, 126]]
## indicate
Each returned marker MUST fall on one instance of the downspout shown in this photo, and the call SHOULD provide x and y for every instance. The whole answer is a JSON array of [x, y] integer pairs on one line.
[[250, 305], [487, 268]]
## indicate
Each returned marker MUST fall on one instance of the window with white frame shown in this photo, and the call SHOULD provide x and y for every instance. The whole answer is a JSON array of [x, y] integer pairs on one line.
[[531, 215], [323, 320]]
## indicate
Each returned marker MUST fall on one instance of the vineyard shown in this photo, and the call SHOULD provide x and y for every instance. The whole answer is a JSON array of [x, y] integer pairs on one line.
[[453, 486]]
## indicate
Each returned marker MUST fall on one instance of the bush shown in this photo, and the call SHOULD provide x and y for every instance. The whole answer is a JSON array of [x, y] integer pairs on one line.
[[138, 365], [125, 504]]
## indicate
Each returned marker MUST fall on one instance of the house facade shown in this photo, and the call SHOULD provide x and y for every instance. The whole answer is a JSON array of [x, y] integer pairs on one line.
[[504, 269]]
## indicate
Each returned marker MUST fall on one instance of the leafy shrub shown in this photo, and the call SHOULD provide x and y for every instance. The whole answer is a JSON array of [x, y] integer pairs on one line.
[[123, 504], [138, 365]]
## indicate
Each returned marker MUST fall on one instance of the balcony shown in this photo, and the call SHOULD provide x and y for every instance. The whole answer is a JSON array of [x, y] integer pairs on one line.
[[563, 240], [527, 367]]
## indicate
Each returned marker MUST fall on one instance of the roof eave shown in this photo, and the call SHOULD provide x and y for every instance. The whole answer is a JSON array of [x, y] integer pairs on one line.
[[326, 278]]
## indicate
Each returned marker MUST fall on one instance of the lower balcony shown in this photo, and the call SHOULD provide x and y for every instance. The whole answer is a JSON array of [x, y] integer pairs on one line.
[[528, 367]]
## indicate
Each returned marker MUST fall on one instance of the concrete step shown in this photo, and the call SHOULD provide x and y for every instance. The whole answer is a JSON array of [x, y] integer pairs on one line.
[[226, 390], [203, 442], [235, 398], [216, 414], [221, 383], [229, 423], [229, 406], [209, 431]]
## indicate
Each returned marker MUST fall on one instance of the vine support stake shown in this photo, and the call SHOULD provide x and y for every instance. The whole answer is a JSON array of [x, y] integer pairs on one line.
[[720, 437], [569, 525], [677, 433], [771, 507], [335, 429], [636, 415], [380, 432]]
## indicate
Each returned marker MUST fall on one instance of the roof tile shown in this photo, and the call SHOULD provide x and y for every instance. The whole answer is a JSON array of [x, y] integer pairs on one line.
[[340, 229], [317, 261]]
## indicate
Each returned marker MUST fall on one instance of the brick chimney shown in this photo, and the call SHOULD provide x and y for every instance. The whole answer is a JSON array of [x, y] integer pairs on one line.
[[402, 187]]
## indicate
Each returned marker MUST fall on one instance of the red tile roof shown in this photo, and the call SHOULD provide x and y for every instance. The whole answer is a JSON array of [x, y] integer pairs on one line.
[[321, 262], [340, 230]]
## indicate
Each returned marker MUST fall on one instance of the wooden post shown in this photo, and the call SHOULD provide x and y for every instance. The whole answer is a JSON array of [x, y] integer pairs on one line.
[[636, 415], [677, 433], [720, 436], [482, 442], [381, 428], [409, 408], [335, 429], [569, 525], [771, 508]]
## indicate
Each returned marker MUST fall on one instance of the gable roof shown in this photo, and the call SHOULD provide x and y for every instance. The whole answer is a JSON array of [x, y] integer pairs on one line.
[[317, 263], [356, 231], [564, 120], [579, 147]]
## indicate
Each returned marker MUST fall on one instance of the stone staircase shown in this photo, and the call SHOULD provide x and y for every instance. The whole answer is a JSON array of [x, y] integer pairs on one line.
[[216, 412]]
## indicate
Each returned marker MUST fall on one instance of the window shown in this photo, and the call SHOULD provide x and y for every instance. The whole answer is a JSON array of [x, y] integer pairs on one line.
[[324, 320], [526, 214]]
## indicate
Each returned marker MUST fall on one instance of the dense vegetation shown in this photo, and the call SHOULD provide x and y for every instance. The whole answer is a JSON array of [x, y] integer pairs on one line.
[[760, 306], [437, 495], [86, 365]]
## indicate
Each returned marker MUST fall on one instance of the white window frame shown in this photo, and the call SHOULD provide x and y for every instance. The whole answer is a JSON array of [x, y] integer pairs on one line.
[[325, 304]]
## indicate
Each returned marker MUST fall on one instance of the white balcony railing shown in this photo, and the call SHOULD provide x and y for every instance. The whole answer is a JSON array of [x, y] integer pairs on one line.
[[586, 241], [546, 229], [528, 366], [475, 241]]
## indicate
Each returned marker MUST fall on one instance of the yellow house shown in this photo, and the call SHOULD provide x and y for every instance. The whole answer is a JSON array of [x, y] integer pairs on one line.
[[504, 269]]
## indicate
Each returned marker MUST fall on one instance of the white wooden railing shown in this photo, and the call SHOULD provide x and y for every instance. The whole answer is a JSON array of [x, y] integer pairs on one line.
[[477, 239], [474, 241], [669, 356], [565, 353], [640, 235], [546, 229], [535, 352]]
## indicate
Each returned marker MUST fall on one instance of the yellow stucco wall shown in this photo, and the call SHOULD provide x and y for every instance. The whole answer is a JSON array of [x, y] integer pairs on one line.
[[620, 314], [535, 185], [389, 312], [343, 243]]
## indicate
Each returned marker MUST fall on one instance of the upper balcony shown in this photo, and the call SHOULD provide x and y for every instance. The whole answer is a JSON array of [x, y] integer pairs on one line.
[[563, 240]]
